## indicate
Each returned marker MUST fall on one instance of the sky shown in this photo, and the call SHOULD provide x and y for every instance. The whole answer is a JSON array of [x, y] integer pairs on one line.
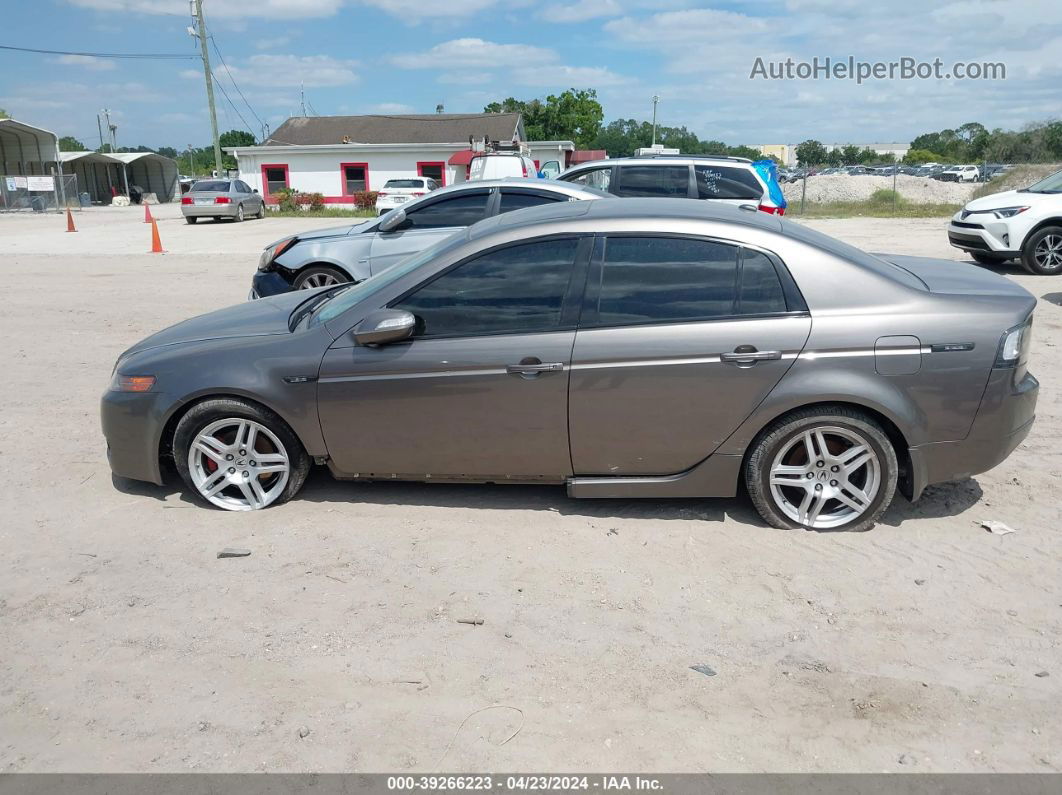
[[407, 56]]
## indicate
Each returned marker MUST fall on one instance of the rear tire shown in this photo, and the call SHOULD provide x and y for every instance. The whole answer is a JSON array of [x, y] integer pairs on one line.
[[319, 276], [988, 259], [1042, 252], [239, 213], [228, 478], [827, 468], [190, 219]]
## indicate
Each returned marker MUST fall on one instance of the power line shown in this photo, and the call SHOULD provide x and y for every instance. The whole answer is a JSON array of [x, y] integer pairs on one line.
[[225, 94], [136, 55], [233, 81]]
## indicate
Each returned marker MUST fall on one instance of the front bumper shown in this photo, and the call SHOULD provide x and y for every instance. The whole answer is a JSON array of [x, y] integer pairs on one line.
[[267, 283], [132, 425], [991, 236], [1004, 419]]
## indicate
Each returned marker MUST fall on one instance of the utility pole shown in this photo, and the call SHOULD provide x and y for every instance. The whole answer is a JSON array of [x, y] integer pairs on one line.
[[202, 34], [302, 97], [112, 129], [656, 99], [99, 129]]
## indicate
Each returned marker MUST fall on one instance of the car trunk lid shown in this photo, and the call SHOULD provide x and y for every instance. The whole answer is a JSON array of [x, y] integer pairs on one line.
[[956, 278]]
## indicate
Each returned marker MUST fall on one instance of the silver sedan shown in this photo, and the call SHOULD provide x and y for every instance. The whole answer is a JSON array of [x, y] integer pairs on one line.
[[221, 198]]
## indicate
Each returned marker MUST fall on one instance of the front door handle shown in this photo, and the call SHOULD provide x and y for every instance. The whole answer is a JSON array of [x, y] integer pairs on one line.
[[532, 366], [747, 354]]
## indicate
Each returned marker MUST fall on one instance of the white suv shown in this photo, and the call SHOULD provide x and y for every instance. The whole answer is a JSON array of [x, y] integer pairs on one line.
[[959, 174], [1025, 224]]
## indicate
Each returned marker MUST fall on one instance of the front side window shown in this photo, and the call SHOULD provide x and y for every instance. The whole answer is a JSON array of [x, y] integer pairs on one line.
[[726, 182], [514, 290], [665, 280], [463, 210], [596, 178], [513, 200], [355, 178], [654, 181]]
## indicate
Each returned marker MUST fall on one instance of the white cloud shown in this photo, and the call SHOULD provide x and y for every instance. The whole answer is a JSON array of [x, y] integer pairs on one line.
[[415, 11], [289, 71], [557, 76], [391, 107], [273, 43], [86, 62], [581, 10], [230, 9], [474, 53]]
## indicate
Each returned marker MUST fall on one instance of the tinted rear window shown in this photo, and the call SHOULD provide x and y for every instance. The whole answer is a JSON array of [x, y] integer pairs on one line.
[[213, 187], [404, 183], [660, 181], [726, 182]]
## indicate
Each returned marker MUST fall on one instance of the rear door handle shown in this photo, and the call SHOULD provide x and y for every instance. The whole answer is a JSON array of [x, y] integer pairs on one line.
[[747, 354]]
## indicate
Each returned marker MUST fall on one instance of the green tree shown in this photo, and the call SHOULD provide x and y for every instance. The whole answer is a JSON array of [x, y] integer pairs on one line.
[[236, 138], [811, 153], [69, 143], [574, 115], [915, 157], [3, 114], [849, 155]]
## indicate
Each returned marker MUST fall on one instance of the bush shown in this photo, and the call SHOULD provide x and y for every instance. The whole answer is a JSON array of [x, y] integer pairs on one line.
[[286, 199], [884, 197], [314, 202], [365, 199]]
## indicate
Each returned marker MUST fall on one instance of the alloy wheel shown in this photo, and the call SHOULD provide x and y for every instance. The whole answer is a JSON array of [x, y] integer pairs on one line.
[[1048, 252], [238, 464], [825, 477], [318, 280]]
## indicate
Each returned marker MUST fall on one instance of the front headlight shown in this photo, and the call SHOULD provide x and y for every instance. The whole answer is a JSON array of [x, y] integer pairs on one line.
[[1008, 212], [1014, 345], [132, 383], [274, 251]]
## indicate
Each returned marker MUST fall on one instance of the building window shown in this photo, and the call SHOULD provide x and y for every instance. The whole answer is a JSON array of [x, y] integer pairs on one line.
[[274, 178], [355, 177], [435, 171]]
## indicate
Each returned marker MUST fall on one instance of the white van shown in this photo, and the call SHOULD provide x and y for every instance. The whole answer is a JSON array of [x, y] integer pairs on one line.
[[498, 165]]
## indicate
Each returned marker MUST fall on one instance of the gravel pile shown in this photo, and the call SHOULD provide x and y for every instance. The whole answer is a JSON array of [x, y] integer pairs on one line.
[[919, 190]]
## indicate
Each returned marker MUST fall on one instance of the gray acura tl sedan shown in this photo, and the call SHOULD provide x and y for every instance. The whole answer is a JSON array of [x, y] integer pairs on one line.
[[624, 347]]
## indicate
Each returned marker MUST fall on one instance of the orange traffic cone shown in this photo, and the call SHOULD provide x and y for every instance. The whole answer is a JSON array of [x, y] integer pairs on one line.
[[156, 243], [147, 214], [70, 221]]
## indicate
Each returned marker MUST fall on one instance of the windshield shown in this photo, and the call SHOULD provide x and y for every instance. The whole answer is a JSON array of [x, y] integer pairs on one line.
[[213, 187], [1052, 184], [342, 300], [404, 183]]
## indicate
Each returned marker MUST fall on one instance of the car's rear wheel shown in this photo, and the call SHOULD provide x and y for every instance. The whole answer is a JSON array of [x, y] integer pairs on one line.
[[239, 456], [191, 219], [988, 259], [239, 213], [1042, 252], [830, 468], [319, 276]]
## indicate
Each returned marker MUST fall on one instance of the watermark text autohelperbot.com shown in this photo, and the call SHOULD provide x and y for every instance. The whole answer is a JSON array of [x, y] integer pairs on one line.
[[849, 68]]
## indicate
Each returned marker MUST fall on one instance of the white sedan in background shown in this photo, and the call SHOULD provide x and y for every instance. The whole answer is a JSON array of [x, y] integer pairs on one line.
[[397, 192]]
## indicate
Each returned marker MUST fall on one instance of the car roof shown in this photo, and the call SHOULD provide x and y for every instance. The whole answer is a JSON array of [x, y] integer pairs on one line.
[[631, 209], [662, 160], [556, 185]]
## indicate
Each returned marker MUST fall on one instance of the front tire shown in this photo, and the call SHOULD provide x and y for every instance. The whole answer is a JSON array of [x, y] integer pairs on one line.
[[828, 468], [1042, 252], [319, 276], [238, 456]]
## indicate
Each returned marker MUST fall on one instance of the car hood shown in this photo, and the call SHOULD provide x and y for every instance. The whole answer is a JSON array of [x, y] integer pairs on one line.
[[331, 231], [957, 278], [1011, 198], [249, 319]]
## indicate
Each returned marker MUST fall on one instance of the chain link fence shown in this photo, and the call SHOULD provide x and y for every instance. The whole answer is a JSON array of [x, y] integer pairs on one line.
[[38, 194]]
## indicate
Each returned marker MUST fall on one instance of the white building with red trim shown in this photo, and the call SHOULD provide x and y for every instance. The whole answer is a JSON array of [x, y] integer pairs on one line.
[[340, 156]]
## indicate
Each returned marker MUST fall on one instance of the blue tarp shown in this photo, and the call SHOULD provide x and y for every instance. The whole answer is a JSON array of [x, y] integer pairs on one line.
[[769, 171]]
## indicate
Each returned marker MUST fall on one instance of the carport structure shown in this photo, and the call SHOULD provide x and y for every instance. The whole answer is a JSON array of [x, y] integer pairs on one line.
[[98, 175], [154, 173], [26, 150]]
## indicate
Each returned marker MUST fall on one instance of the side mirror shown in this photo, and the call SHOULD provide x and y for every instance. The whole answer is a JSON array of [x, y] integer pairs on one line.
[[254, 190], [393, 221], [384, 326]]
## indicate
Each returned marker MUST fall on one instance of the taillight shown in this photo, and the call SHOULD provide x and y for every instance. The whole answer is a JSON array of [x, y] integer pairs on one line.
[[522, 163], [186, 200], [222, 200], [381, 194], [415, 193], [766, 208]]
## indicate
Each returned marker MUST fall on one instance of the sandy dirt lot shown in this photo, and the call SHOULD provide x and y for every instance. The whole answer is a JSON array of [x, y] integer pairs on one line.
[[927, 644]]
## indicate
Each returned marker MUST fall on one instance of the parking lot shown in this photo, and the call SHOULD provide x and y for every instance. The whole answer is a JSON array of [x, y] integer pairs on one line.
[[926, 644]]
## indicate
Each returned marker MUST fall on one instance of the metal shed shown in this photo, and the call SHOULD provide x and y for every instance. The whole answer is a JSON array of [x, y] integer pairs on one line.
[[26, 150], [98, 175], [153, 172]]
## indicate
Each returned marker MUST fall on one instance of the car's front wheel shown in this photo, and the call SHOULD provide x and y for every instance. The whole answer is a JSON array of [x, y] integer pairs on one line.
[[830, 468], [1042, 252], [319, 276], [239, 456]]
